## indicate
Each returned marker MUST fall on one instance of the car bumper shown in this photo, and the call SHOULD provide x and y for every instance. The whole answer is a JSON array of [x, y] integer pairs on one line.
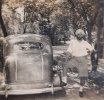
[[29, 91]]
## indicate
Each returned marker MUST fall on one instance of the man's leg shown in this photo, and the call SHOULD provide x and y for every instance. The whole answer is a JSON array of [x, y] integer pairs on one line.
[[82, 66], [82, 83], [94, 68], [67, 65]]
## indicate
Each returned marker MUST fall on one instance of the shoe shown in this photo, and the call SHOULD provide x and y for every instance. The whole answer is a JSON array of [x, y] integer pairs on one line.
[[63, 84], [81, 93], [68, 86]]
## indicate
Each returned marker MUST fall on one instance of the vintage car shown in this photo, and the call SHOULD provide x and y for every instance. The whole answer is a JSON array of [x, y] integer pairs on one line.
[[28, 65]]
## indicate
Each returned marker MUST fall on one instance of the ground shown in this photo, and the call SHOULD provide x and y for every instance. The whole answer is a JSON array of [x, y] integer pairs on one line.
[[72, 95]]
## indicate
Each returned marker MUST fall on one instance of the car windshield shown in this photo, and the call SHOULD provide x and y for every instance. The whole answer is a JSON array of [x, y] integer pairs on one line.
[[28, 46]]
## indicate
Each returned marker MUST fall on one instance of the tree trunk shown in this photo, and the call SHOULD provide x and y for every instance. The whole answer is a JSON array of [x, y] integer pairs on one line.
[[100, 23], [1, 21], [89, 29]]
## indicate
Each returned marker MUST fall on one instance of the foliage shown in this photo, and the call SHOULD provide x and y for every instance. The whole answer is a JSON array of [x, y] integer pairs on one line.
[[84, 14], [55, 18]]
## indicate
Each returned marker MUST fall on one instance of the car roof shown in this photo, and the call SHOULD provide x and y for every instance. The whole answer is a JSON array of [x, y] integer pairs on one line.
[[27, 38]]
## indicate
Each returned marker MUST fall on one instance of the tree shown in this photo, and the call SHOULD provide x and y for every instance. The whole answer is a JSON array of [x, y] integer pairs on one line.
[[100, 24], [1, 20], [61, 13], [40, 11], [60, 18], [54, 14], [84, 14]]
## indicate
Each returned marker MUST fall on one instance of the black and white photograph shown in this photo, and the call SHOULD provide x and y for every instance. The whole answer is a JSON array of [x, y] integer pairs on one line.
[[51, 49]]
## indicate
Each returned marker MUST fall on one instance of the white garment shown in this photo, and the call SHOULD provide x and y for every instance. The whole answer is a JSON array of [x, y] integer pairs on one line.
[[79, 48]]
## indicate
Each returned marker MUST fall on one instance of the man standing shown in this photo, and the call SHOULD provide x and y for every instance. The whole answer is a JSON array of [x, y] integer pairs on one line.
[[78, 51]]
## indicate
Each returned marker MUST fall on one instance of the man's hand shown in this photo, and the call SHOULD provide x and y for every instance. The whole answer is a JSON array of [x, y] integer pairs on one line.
[[66, 55], [88, 51]]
